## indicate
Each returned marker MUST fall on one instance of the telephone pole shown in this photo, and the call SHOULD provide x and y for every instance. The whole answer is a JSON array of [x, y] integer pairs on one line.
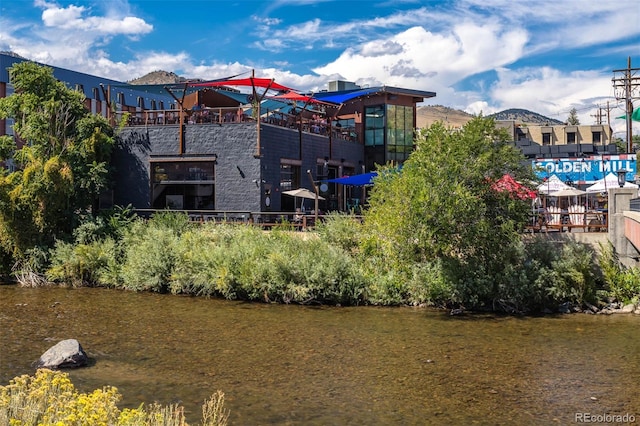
[[626, 83], [599, 115]]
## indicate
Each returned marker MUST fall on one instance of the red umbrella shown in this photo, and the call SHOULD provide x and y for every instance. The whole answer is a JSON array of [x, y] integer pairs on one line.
[[509, 184]]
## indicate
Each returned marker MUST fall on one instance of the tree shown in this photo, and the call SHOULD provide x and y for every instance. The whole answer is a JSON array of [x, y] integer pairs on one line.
[[62, 167], [443, 205], [573, 117]]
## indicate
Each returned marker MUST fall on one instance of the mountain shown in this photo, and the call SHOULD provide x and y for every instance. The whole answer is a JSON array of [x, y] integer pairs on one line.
[[159, 77], [524, 116], [427, 115]]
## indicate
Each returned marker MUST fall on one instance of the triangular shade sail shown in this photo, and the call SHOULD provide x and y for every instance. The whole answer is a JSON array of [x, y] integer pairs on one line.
[[356, 180], [294, 96], [338, 98], [265, 83]]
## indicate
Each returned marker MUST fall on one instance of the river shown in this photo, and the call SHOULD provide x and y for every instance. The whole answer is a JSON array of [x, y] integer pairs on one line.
[[297, 365]]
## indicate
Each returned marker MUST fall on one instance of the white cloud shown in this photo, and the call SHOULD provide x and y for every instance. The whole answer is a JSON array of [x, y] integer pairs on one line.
[[72, 18], [430, 48]]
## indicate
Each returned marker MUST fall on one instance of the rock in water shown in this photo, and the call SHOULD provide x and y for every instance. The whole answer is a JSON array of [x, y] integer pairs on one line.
[[66, 354]]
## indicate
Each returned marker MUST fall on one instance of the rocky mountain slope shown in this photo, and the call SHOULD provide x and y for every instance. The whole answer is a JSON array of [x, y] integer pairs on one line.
[[159, 77], [524, 116], [429, 114]]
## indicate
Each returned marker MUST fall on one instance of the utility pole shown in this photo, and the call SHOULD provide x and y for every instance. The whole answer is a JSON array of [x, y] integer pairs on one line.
[[626, 83], [599, 115]]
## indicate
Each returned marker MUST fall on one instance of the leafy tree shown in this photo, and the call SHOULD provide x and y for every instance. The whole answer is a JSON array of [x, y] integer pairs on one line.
[[62, 166], [573, 117], [443, 206]]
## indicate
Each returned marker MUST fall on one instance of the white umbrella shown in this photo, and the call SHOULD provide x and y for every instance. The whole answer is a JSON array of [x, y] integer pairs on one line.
[[567, 192], [302, 193], [608, 182]]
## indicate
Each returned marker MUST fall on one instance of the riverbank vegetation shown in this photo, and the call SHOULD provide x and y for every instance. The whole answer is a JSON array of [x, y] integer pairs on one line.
[[50, 398], [439, 232]]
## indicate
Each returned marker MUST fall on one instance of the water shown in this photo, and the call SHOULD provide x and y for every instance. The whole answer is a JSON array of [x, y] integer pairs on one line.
[[298, 365]]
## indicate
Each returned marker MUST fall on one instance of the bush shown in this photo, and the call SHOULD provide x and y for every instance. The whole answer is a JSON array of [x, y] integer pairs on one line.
[[622, 284], [341, 230], [149, 257], [575, 277], [49, 398], [81, 264]]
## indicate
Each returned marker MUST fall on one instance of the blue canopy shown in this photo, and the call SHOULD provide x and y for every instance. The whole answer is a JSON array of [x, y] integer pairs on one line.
[[356, 180], [340, 97]]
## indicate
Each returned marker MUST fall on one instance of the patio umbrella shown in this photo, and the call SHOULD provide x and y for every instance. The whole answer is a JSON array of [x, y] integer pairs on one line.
[[567, 192], [508, 184], [302, 193]]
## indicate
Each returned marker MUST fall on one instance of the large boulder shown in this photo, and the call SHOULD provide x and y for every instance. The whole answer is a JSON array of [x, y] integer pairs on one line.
[[66, 354]]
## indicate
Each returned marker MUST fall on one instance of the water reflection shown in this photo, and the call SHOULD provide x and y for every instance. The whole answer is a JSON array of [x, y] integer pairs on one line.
[[299, 365]]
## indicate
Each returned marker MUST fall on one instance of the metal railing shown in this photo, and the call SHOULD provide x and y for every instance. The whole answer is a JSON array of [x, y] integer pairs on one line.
[[589, 221], [265, 220]]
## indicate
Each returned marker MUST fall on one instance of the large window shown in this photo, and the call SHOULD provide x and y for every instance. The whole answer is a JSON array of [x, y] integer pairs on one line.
[[289, 179], [183, 185], [374, 126], [391, 128], [399, 132]]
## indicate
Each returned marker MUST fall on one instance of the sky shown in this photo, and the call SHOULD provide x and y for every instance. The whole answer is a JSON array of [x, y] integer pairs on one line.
[[547, 56]]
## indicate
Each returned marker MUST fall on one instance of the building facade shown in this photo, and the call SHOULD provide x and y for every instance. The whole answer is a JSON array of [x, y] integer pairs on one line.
[[204, 148], [561, 141]]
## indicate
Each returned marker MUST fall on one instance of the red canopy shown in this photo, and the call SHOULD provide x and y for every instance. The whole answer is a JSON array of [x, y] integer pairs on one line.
[[267, 83], [294, 96], [509, 184]]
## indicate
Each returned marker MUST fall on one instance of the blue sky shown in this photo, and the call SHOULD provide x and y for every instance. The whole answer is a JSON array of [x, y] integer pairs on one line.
[[477, 55]]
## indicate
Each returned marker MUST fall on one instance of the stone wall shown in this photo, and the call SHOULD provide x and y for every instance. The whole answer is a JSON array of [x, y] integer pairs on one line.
[[240, 175]]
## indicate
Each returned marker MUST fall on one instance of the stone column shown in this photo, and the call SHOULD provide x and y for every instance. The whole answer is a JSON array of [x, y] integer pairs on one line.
[[619, 203]]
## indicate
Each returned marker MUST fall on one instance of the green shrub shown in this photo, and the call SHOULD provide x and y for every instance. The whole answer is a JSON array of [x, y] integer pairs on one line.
[[575, 277], [622, 284], [178, 222], [81, 264], [429, 284], [149, 257], [341, 230]]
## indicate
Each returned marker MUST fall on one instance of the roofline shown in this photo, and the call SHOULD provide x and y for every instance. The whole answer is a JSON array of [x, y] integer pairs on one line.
[[411, 92]]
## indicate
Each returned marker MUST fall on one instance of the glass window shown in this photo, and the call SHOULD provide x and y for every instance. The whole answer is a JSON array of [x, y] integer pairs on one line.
[[571, 137], [546, 139], [399, 132], [596, 137], [374, 126], [187, 185], [289, 177]]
